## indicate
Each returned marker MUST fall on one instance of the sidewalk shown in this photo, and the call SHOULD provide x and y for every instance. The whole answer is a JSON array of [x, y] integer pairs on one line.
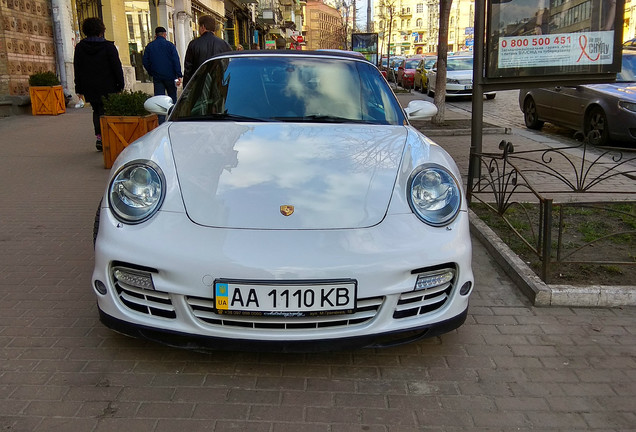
[[511, 366], [457, 144]]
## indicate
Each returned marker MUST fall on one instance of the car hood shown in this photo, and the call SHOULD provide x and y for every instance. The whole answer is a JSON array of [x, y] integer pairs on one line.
[[242, 175], [625, 90], [460, 74]]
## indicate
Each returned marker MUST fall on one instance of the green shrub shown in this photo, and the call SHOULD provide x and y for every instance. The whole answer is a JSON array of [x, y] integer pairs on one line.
[[44, 79], [126, 103]]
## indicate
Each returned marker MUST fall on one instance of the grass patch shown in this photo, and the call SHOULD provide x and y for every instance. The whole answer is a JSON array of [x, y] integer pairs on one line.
[[595, 239]]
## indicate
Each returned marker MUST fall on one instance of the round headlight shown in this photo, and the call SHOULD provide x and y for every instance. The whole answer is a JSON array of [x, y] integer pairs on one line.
[[136, 192], [434, 195]]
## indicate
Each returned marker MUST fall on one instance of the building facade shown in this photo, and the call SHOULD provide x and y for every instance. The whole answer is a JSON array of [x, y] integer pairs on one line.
[[407, 27], [323, 26], [40, 35]]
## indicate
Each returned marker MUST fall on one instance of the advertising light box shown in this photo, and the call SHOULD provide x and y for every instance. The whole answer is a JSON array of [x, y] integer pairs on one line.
[[553, 37]]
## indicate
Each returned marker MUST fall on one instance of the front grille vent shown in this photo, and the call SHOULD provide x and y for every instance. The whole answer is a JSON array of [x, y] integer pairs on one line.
[[145, 301], [203, 309], [423, 301]]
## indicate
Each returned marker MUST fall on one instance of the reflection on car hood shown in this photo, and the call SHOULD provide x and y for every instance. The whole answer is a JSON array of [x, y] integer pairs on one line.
[[625, 90], [239, 175], [460, 74]]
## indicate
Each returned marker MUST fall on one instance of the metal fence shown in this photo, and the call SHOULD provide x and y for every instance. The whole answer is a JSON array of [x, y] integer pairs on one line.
[[535, 193]]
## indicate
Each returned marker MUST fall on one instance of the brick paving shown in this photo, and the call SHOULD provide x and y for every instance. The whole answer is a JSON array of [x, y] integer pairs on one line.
[[510, 367]]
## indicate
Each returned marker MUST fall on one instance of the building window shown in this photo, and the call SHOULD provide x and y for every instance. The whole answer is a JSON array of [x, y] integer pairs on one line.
[[419, 8]]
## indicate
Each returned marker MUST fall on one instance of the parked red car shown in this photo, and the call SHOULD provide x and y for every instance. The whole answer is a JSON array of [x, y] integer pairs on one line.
[[406, 71]]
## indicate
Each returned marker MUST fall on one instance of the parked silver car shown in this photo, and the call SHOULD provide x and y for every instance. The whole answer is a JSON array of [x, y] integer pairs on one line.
[[609, 109], [459, 78]]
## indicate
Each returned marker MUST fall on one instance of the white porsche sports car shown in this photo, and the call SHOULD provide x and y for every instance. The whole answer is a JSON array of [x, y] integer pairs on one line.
[[286, 204]]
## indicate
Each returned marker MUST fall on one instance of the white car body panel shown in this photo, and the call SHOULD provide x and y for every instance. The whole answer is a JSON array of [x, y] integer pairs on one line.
[[241, 173], [202, 207], [379, 258]]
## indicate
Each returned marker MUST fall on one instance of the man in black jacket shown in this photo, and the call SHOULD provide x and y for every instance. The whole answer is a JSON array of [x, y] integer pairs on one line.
[[207, 45], [98, 70], [161, 60]]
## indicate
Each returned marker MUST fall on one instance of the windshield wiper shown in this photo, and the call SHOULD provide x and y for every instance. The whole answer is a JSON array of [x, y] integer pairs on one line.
[[220, 117]]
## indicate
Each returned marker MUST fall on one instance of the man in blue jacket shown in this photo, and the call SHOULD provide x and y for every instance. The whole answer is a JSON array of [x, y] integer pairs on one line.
[[161, 60]]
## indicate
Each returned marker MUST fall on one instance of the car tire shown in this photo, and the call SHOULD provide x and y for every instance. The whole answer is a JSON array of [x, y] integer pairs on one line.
[[530, 115], [429, 92], [491, 96], [596, 120]]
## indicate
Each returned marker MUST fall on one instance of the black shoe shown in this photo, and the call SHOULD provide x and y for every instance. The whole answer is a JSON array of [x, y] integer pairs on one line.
[[98, 145]]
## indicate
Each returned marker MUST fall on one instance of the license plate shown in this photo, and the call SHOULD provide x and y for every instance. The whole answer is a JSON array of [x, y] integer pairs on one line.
[[468, 87], [285, 298]]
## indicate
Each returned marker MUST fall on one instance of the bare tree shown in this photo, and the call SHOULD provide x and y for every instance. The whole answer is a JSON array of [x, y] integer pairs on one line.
[[442, 59], [388, 11]]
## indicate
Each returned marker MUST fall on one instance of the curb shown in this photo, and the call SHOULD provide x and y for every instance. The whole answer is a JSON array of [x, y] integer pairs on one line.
[[457, 132], [537, 291]]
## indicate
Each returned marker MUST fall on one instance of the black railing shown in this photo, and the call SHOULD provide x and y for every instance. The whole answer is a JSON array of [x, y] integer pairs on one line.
[[535, 185]]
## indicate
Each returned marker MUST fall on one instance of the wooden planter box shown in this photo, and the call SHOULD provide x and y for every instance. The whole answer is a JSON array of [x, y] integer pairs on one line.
[[47, 100], [119, 131]]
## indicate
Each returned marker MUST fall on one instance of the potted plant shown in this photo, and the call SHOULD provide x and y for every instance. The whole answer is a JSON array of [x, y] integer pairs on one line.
[[125, 119], [47, 95]]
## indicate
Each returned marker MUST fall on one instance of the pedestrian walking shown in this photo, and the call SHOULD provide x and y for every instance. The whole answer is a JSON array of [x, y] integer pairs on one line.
[[281, 43], [206, 46], [98, 70], [161, 60]]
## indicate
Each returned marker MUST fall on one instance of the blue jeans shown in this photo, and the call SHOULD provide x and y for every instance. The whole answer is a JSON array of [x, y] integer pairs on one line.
[[162, 87]]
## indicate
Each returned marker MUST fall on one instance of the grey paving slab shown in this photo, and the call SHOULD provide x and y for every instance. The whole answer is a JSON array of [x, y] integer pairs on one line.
[[512, 366]]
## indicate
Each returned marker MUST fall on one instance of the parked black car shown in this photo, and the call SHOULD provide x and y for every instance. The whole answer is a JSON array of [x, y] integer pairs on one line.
[[608, 109]]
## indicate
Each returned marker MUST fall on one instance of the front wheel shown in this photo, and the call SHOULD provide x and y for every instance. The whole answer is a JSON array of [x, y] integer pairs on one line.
[[596, 128], [530, 115], [491, 96]]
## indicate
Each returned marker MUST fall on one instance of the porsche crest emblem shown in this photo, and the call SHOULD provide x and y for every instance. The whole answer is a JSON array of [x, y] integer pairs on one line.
[[286, 210]]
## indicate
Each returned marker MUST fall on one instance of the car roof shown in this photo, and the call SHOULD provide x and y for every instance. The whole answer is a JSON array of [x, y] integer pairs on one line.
[[353, 53], [273, 53]]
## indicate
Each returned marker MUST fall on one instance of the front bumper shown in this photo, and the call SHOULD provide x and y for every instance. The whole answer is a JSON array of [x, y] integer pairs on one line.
[[185, 259], [207, 343]]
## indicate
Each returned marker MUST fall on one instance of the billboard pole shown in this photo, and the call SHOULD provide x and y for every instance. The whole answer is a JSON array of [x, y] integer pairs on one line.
[[478, 96]]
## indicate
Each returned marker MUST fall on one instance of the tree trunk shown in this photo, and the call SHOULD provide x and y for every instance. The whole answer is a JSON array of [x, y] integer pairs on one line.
[[442, 57]]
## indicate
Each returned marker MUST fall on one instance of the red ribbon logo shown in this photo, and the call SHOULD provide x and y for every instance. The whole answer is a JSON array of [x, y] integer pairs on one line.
[[583, 45]]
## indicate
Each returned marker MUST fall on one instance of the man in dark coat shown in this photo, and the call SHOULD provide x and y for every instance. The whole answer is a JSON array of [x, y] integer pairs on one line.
[[161, 60], [98, 70], [206, 46]]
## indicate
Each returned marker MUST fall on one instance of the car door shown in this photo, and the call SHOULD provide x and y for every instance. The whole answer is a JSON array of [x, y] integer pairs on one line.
[[561, 105], [400, 71], [431, 76], [417, 77], [568, 105]]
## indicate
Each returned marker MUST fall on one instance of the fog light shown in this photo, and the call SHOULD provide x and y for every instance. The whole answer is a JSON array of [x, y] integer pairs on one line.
[[430, 280], [100, 287], [465, 289], [135, 278]]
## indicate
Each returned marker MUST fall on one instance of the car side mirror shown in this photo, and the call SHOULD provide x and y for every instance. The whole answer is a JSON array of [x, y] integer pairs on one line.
[[159, 105], [420, 110]]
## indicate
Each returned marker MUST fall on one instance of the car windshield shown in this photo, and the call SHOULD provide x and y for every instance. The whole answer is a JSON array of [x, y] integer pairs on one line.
[[628, 71], [412, 64], [429, 63], [288, 88], [457, 64]]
